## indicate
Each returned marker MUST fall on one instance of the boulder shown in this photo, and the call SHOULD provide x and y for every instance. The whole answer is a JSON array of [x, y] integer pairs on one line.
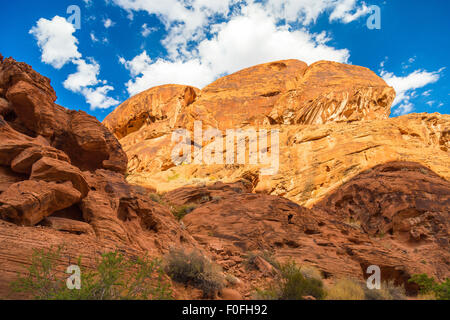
[[29, 202], [53, 170]]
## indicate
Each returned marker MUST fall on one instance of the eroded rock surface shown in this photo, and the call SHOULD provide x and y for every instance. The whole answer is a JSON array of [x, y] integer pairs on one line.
[[62, 183]]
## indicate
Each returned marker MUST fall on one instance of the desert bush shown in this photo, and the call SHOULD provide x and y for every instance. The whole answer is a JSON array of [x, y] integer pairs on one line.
[[310, 272], [388, 291], [292, 285], [115, 278], [194, 269], [429, 286], [155, 197], [181, 211], [345, 289]]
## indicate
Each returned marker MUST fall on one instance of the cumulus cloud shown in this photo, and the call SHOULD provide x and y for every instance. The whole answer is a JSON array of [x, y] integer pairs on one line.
[[108, 23], [98, 98], [308, 11], [148, 73], [85, 76], [250, 37], [405, 86], [59, 46], [146, 30], [403, 109], [56, 40], [85, 80]]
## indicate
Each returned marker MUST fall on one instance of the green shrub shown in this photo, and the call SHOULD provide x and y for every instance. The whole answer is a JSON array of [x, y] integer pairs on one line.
[[155, 197], [346, 289], [115, 278], [181, 211], [428, 285], [310, 272], [194, 269], [292, 285]]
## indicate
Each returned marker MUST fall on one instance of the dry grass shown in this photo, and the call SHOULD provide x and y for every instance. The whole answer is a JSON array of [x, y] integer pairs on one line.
[[345, 289]]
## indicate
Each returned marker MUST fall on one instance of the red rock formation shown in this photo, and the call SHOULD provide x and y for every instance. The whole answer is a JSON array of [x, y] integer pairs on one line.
[[408, 202], [62, 179]]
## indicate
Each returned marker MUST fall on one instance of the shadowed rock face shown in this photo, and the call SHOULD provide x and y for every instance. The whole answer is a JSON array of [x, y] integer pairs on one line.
[[403, 199], [394, 216]]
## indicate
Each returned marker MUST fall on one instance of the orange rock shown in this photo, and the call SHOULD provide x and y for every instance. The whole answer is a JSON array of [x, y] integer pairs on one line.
[[48, 169], [156, 110], [230, 294], [331, 91], [245, 97], [29, 202]]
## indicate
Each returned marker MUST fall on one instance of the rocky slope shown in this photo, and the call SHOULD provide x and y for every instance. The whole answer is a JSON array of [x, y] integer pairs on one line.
[[354, 187], [62, 182]]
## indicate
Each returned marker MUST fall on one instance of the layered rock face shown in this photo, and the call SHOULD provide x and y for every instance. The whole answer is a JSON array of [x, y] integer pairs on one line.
[[62, 182], [395, 216], [354, 187]]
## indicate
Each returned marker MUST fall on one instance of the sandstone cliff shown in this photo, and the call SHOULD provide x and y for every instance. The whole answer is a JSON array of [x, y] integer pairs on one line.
[[354, 188]]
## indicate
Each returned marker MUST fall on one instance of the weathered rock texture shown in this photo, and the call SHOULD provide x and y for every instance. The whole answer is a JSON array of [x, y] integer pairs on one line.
[[354, 188], [62, 182], [359, 188], [395, 216]]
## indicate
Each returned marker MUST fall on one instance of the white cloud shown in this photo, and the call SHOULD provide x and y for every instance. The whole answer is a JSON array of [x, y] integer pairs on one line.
[[85, 76], [248, 38], [405, 86], [192, 21], [108, 23], [98, 98], [427, 93], [404, 109], [254, 38], [146, 30], [93, 37], [149, 74], [84, 81], [59, 46], [56, 41], [308, 11]]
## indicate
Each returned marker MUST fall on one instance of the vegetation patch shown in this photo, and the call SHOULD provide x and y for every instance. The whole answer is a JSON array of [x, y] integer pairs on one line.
[[192, 268], [181, 211], [430, 287], [115, 278], [291, 284]]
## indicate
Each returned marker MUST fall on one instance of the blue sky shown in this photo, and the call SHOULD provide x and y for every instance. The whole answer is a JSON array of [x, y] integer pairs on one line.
[[126, 46]]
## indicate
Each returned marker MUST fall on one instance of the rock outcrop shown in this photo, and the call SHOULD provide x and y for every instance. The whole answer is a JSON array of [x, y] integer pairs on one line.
[[353, 189], [62, 182], [395, 216]]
